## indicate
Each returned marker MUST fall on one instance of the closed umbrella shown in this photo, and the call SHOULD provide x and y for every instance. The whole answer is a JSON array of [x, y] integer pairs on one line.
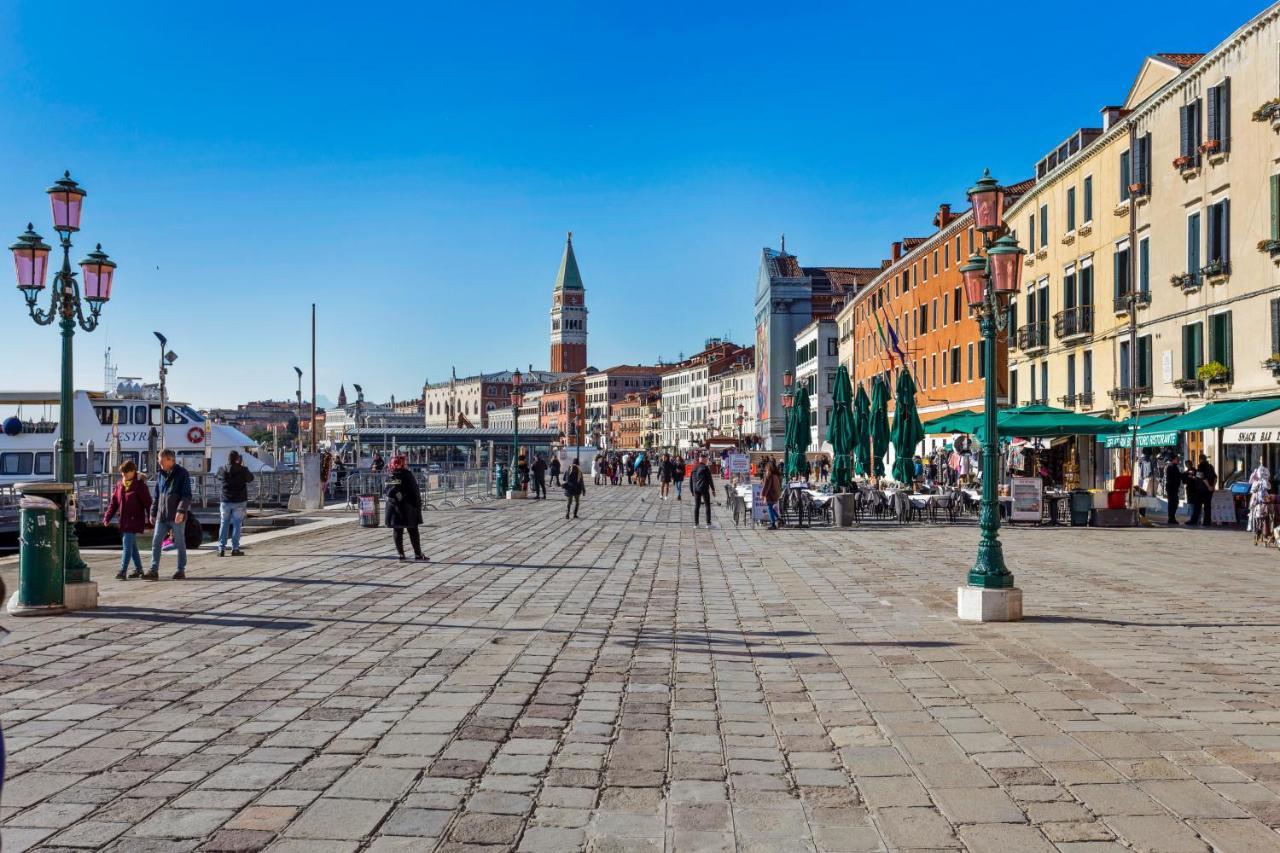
[[840, 430], [861, 432], [907, 431], [879, 425], [801, 409]]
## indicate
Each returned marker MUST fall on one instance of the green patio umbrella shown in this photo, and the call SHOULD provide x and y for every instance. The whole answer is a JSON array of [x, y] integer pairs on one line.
[[879, 424], [907, 431], [840, 430], [861, 432], [798, 463]]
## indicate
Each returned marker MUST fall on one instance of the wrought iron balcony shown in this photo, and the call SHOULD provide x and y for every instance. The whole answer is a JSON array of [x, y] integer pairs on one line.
[[1189, 386], [1083, 399], [1033, 336], [1073, 322], [1128, 396], [1186, 281]]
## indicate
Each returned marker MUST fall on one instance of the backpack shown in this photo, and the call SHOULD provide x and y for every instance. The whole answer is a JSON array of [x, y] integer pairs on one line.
[[192, 532], [573, 482], [701, 481]]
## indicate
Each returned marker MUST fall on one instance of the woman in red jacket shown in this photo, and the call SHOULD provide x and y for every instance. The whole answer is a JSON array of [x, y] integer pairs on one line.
[[132, 500]]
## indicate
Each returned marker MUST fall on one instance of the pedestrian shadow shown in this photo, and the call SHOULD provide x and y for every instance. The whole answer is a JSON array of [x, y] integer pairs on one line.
[[182, 617], [755, 644], [1129, 623]]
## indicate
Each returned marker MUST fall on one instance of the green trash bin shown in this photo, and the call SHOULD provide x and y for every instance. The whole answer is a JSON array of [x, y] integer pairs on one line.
[[41, 545], [501, 481], [1081, 506]]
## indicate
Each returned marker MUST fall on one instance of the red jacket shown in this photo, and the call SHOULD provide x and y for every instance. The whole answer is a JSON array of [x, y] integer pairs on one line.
[[134, 506]]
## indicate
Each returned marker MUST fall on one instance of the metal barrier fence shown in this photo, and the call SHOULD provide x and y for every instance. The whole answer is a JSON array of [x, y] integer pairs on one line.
[[445, 490]]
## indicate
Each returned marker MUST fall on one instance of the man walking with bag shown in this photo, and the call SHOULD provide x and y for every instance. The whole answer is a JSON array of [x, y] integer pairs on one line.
[[703, 486], [169, 513], [574, 488]]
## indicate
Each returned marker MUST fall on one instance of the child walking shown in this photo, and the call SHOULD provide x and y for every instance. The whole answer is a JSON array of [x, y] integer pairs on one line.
[[131, 499]]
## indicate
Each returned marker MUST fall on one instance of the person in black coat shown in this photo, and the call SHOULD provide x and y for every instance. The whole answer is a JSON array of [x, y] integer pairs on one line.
[[404, 507], [554, 470], [539, 470], [1173, 486], [574, 488]]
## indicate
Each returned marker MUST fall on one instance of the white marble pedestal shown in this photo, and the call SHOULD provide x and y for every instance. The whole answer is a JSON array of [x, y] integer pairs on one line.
[[978, 604]]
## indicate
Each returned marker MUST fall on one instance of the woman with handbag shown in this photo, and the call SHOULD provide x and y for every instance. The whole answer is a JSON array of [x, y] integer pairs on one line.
[[574, 489], [131, 500], [404, 507]]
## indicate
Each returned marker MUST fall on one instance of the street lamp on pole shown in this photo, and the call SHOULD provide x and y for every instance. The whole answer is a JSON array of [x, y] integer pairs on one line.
[[40, 588], [991, 281], [517, 400], [298, 443], [359, 411], [167, 358]]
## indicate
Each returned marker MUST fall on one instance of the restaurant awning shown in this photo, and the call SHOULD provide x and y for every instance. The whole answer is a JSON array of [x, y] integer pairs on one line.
[[1224, 414], [1151, 432], [965, 420], [1264, 429], [1048, 422]]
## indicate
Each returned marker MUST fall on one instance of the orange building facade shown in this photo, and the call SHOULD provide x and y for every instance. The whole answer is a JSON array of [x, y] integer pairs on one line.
[[919, 297]]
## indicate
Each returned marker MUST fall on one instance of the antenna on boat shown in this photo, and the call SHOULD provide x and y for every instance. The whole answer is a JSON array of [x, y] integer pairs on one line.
[[108, 373]]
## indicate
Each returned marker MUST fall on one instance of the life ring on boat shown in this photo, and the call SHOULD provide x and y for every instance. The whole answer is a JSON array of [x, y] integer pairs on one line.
[[195, 435]]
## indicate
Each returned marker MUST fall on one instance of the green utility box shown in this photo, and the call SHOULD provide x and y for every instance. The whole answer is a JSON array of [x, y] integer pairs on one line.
[[42, 544], [502, 481]]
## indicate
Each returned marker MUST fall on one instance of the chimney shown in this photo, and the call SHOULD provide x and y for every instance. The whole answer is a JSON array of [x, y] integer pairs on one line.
[[1110, 115], [944, 217], [896, 252]]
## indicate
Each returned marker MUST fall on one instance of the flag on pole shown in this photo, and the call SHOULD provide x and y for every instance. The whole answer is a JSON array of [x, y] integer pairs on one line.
[[883, 339], [893, 337]]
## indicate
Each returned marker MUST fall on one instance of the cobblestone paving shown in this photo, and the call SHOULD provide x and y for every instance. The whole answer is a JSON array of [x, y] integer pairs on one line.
[[628, 683]]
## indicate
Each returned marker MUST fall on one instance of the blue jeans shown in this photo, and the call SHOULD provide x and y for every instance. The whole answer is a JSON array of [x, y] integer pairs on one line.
[[129, 550], [679, 487], [232, 515], [773, 513], [163, 528]]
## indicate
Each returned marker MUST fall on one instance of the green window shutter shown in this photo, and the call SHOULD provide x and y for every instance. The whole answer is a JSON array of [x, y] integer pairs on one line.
[[1188, 334], [1115, 274], [1275, 207], [1144, 265], [1227, 342], [1275, 326]]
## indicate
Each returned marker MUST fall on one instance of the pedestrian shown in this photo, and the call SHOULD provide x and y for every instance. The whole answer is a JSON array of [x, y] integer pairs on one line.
[[404, 507], [235, 479], [539, 469], [1259, 497], [771, 491], [1146, 472], [665, 470], [377, 464], [169, 513], [628, 466], [703, 486], [131, 499], [1207, 473], [677, 475], [554, 470], [574, 488], [1197, 496], [597, 468], [1173, 486]]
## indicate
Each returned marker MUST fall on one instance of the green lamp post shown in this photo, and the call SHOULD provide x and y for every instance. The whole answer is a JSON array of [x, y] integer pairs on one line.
[[41, 587], [517, 400], [991, 280]]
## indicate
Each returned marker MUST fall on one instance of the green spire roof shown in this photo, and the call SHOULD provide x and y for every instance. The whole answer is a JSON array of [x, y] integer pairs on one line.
[[569, 278]]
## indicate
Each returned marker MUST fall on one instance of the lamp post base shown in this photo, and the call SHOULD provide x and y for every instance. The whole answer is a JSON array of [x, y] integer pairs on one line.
[[978, 604]]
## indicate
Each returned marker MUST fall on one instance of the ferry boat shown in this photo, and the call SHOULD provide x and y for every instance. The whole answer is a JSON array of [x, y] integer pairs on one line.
[[124, 424]]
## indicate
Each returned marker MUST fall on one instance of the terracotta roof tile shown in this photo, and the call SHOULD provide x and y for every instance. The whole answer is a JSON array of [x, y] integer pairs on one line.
[[1182, 60]]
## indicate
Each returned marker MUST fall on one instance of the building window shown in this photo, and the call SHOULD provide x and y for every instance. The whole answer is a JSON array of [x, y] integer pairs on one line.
[[1220, 348], [833, 347], [946, 255], [1219, 234], [1141, 177], [1071, 208], [1124, 176], [1189, 138], [1086, 371], [955, 365], [946, 308], [1144, 265], [1071, 375], [1031, 231], [1044, 226], [943, 378], [1087, 201], [1193, 347], [1044, 381], [935, 371], [1144, 361], [955, 305], [1193, 244], [1120, 270], [1275, 208], [1275, 325], [1219, 99], [1013, 387], [935, 313]]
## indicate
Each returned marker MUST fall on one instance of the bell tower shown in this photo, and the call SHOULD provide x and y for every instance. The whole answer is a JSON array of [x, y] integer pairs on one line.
[[568, 316]]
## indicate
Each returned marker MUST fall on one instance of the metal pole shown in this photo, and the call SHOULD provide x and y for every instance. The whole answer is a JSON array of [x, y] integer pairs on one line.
[[163, 397], [74, 569], [990, 571], [313, 380]]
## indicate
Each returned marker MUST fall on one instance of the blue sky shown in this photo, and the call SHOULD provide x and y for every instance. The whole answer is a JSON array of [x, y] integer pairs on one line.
[[412, 168]]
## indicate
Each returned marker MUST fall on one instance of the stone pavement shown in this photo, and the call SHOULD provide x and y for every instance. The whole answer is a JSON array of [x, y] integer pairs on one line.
[[628, 683]]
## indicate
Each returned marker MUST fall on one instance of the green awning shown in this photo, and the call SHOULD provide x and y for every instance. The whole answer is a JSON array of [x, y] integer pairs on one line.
[[1151, 432], [1049, 422], [965, 420], [1224, 414]]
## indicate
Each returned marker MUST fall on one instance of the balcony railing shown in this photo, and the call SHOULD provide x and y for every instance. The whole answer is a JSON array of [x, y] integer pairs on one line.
[[1033, 336], [1083, 399], [1189, 386], [1129, 396], [1073, 322]]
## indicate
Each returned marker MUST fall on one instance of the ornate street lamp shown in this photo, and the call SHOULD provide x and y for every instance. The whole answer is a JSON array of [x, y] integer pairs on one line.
[[42, 587], [991, 281], [517, 400]]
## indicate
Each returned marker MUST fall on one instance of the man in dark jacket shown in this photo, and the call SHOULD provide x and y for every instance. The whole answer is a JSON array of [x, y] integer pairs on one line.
[[235, 479], [1207, 473], [1173, 486], [539, 469], [554, 470], [703, 486], [574, 488], [1197, 496], [169, 513]]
